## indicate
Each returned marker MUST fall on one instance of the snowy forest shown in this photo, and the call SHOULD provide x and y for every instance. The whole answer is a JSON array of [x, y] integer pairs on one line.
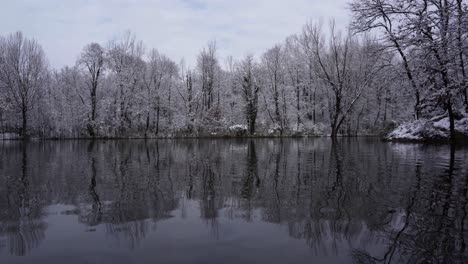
[[400, 68]]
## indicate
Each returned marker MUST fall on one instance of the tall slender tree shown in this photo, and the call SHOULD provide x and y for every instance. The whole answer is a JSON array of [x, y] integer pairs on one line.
[[92, 59], [249, 89]]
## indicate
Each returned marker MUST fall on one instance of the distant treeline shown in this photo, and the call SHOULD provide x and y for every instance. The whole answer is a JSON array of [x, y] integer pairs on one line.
[[399, 61]]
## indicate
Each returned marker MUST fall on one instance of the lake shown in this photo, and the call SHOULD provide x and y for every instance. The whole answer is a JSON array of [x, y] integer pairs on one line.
[[358, 200]]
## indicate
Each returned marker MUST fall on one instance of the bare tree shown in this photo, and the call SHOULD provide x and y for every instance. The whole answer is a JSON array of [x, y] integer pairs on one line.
[[186, 92], [157, 79], [250, 89], [273, 61], [309, 91], [208, 66], [125, 61], [92, 59], [295, 70], [378, 14], [428, 29], [346, 68], [23, 72]]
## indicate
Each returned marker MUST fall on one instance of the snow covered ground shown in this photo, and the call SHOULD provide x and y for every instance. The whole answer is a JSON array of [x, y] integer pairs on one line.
[[429, 129]]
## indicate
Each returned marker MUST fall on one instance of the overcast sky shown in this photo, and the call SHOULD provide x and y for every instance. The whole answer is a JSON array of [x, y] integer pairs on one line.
[[177, 28]]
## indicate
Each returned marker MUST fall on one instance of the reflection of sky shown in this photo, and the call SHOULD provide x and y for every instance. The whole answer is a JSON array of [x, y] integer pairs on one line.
[[178, 28], [176, 240]]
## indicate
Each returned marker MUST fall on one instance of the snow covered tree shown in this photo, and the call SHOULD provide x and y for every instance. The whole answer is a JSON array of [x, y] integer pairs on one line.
[[296, 73], [23, 72], [126, 64], [69, 110], [186, 92], [249, 90], [377, 14], [158, 78], [429, 29], [207, 65], [347, 68], [210, 117], [273, 61], [308, 52], [92, 59]]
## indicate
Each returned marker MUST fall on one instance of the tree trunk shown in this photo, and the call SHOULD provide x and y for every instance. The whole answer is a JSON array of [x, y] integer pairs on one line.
[[314, 111], [122, 109], [252, 126], [93, 106], [334, 121], [334, 132], [409, 74], [451, 119], [157, 119], [359, 119], [417, 111], [91, 124], [460, 52], [2, 129], [385, 108], [277, 110], [147, 124], [298, 100], [466, 99], [24, 128], [298, 106]]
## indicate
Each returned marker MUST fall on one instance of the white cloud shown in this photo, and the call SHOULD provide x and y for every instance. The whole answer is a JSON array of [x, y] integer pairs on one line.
[[178, 28]]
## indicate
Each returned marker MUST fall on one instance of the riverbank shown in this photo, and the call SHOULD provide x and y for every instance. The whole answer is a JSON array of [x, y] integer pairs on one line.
[[436, 129], [256, 136], [185, 137]]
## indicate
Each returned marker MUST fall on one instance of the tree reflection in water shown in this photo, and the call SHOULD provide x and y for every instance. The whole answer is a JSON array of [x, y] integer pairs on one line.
[[22, 227], [376, 202]]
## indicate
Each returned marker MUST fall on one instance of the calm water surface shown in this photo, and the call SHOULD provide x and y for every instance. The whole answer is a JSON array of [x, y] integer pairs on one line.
[[232, 201]]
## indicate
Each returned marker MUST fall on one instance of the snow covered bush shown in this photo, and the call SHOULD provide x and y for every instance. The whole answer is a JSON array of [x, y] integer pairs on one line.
[[274, 130], [238, 130]]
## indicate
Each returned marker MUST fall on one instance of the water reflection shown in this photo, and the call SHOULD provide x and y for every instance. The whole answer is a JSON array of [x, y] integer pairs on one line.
[[22, 227], [360, 200]]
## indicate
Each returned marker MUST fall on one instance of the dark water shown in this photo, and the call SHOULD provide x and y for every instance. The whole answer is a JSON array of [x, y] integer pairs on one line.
[[232, 201]]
